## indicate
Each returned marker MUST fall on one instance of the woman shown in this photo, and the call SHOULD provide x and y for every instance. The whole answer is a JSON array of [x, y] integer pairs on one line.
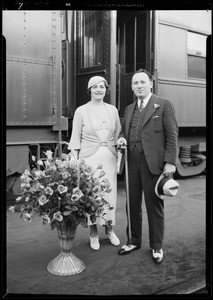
[[96, 126]]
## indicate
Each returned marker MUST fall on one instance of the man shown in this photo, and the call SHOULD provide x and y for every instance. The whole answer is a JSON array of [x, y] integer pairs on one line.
[[150, 132]]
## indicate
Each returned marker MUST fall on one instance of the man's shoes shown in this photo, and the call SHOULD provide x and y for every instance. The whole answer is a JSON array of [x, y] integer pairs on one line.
[[113, 238], [127, 249], [94, 242], [157, 256]]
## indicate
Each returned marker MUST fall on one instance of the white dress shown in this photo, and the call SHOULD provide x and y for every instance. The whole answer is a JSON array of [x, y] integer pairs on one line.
[[104, 125]]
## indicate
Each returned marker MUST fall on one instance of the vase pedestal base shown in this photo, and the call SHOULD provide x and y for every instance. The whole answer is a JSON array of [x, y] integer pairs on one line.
[[66, 264]]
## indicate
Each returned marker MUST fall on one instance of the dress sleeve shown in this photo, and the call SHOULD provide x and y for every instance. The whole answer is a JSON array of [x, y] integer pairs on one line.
[[75, 140]]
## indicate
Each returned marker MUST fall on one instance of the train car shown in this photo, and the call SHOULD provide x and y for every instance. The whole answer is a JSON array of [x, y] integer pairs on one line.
[[170, 44], [34, 117], [50, 56]]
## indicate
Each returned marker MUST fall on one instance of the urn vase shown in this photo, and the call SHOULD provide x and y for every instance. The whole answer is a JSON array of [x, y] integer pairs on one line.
[[66, 263]]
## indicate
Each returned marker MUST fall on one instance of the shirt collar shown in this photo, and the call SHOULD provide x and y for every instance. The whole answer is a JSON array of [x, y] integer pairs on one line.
[[145, 100]]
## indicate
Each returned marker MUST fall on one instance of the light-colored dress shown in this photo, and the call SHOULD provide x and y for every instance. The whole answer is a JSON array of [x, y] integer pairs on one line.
[[95, 134]]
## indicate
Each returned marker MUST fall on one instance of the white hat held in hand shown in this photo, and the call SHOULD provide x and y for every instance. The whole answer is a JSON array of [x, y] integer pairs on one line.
[[166, 186]]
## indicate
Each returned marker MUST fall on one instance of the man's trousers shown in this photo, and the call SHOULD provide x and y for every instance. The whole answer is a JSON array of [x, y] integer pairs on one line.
[[141, 180]]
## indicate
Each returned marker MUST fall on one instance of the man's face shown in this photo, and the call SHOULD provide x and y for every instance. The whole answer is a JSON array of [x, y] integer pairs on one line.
[[141, 85]]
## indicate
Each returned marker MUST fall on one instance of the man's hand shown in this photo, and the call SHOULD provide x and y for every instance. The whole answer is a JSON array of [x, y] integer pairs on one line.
[[169, 169], [121, 143]]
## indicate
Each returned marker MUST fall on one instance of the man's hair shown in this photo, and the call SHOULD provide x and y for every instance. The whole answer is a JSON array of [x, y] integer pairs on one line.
[[144, 71]]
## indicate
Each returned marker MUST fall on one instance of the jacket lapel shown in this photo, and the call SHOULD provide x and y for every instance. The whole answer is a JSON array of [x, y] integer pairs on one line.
[[150, 109]]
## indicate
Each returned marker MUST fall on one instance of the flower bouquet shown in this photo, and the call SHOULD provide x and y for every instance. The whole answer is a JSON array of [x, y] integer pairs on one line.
[[64, 192]]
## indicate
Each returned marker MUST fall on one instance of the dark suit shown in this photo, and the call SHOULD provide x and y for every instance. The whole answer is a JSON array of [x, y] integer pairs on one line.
[[158, 138]]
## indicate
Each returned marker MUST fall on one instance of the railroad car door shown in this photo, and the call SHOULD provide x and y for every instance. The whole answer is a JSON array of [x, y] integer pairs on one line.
[[95, 51], [134, 51]]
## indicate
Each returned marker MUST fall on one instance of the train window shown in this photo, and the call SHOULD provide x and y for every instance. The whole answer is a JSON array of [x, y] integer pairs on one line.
[[196, 67], [91, 38], [196, 55]]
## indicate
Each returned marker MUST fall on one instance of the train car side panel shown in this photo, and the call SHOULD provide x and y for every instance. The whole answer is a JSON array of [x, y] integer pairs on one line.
[[180, 63]]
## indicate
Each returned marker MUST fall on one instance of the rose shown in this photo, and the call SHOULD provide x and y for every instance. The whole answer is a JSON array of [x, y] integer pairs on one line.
[[33, 158], [12, 208], [62, 189], [52, 168], [39, 174], [48, 190], [77, 194], [40, 162], [25, 176], [18, 199], [96, 189], [25, 185], [49, 154], [27, 217], [42, 200], [47, 163], [46, 219], [58, 216], [105, 183], [66, 175]]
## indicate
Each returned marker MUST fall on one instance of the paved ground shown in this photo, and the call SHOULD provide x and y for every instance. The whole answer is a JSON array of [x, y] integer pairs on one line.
[[31, 246]]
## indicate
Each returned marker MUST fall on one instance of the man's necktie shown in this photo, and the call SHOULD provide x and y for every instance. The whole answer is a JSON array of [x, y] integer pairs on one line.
[[141, 106]]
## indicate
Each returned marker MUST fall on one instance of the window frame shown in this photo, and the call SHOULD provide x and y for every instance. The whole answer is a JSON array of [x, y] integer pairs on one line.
[[195, 53], [93, 68]]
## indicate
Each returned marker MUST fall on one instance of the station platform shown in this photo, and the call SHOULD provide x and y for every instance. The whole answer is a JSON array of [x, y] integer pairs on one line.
[[31, 246]]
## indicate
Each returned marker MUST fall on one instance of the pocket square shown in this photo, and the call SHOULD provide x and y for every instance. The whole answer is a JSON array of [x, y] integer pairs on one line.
[[155, 117]]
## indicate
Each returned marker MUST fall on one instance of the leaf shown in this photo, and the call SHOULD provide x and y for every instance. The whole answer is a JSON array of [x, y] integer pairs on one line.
[[53, 225], [74, 208], [68, 207], [93, 218], [67, 212]]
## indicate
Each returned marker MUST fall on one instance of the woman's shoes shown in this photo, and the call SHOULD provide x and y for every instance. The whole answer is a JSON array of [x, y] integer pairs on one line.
[[113, 238], [94, 242]]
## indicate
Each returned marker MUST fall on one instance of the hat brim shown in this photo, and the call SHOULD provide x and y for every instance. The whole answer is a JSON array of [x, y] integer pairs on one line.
[[156, 186], [95, 80]]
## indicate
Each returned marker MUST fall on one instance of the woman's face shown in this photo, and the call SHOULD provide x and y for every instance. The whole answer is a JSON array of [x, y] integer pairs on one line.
[[98, 91]]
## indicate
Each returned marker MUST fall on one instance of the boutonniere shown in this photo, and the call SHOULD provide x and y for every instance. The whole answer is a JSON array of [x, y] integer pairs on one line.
[[156, 105]]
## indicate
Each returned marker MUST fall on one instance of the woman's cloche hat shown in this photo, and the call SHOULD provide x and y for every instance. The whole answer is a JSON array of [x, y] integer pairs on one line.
[[166, 186], [95, 80]]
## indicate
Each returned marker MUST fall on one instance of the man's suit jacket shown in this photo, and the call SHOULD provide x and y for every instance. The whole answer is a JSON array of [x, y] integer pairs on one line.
[[159, 133]]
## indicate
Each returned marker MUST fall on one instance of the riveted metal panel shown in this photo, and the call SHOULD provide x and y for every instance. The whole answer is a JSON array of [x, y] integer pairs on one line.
[[27, 103], [39, 25], [33, 67], [189, 102], [33, 134]]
